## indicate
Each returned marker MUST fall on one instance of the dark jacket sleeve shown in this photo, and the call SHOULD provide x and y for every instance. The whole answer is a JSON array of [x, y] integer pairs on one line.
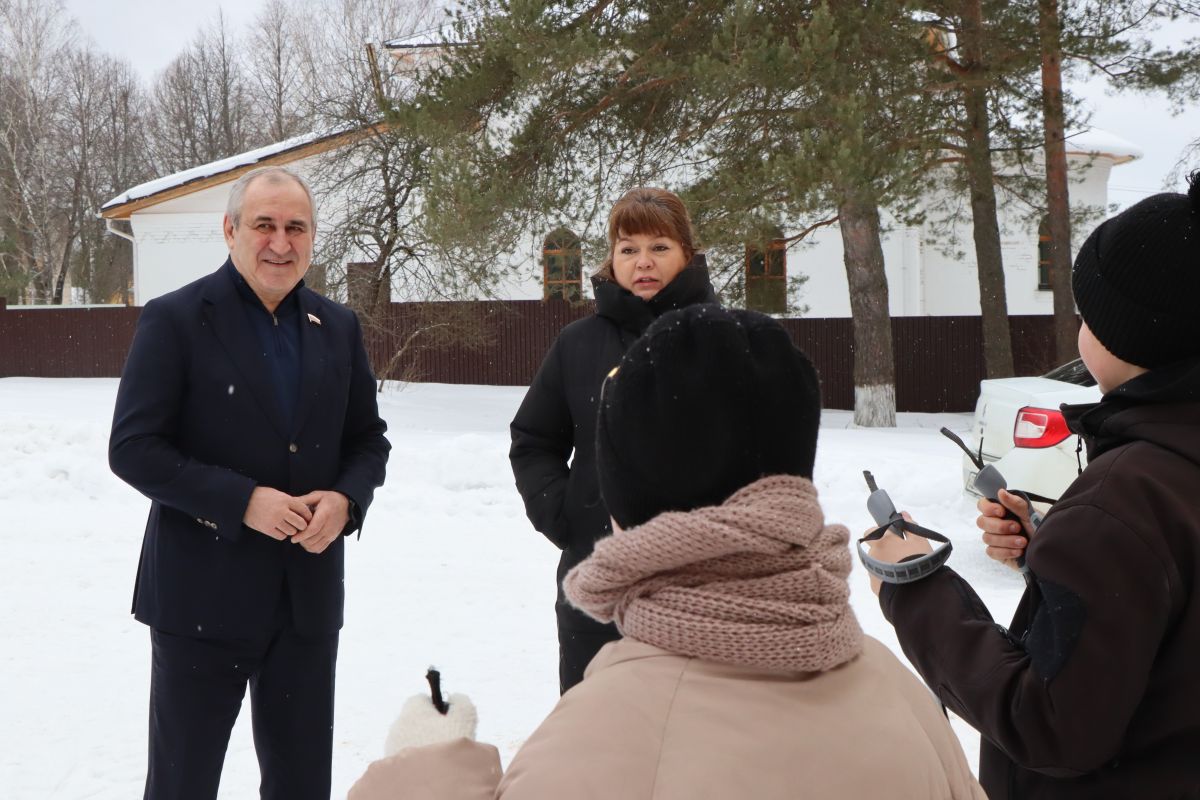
[[1059, 700], [542, 441], [141, 448], [364, 447]]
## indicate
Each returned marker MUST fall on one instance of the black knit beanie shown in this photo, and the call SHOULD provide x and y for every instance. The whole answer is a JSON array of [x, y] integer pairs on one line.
[[1137, 279], [708, 401]]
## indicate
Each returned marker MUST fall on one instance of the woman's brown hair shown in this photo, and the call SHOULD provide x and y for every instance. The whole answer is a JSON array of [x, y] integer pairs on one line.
[[650, 212]]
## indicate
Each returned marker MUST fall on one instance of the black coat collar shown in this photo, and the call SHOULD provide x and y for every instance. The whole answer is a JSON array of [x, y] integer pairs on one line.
[[1106, 424], [633, 314]]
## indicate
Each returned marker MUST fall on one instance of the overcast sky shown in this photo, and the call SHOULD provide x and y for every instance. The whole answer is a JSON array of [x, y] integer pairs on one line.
[[151, 32]]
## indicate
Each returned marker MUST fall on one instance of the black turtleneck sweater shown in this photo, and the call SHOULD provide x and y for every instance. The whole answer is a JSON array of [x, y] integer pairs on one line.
[[554, 431], [279, 335]]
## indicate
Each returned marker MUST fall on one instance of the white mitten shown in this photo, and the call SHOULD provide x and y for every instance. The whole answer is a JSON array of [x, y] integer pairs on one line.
[[421, 723]]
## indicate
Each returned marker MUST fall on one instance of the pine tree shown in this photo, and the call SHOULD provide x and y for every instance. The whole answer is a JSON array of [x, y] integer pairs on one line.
[[981, 49], [757, 112], [1104, 38]]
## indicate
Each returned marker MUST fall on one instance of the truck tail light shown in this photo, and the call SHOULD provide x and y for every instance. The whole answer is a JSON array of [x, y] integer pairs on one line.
[[1039, 427]]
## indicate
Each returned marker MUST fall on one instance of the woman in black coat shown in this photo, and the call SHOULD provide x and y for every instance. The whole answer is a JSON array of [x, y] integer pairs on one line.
[[652, 267]]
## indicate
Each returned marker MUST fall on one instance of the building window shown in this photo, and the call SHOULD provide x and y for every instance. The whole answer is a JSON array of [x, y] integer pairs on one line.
[[562, 266], [1044, 255], [766, 276]]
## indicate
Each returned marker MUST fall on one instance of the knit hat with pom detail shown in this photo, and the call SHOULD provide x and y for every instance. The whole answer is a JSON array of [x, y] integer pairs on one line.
[[708, 401], [1137, 280]]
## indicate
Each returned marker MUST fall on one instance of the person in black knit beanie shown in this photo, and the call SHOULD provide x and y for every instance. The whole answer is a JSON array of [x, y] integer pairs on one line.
[[1137, 279], [1091, 691], [724, 436]]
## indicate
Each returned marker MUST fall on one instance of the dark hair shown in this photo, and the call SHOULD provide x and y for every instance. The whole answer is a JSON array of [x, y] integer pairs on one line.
[[648, 211]]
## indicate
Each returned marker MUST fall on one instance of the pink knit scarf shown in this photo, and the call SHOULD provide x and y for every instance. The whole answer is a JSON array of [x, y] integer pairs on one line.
[[758, 581]]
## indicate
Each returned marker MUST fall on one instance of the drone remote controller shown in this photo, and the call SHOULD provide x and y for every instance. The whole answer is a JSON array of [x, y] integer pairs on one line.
[[988, 482], [884, 512]]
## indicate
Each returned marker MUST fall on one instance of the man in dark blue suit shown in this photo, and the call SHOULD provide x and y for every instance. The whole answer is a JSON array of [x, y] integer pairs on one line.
[[247, 414]]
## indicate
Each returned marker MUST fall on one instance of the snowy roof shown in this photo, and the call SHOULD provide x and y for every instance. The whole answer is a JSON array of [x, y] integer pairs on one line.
[[1095, 141], [209, 174], [437, 36]]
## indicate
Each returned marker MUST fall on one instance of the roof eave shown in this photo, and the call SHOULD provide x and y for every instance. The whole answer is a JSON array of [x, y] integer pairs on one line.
[[1116, 158], [324, 144]]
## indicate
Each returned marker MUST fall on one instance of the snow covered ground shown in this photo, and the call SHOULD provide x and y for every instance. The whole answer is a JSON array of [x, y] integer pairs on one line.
[[448, 572]]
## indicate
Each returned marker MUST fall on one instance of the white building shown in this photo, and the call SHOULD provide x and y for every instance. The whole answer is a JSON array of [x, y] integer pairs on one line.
[[174, 223], [932, 273]]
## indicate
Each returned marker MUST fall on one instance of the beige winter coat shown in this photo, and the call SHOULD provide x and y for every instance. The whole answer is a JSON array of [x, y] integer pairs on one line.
[[646, 724], [649, 725], [454, 770]]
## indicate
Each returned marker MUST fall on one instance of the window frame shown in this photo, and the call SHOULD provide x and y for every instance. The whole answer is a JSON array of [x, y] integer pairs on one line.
[[562, 244], [766, 288], [1044, 256]]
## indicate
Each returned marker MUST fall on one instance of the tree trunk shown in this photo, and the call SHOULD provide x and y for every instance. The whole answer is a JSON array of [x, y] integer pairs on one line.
[[993, 299], [1066, 328], [61, 279], [874, 365], [362, 286]]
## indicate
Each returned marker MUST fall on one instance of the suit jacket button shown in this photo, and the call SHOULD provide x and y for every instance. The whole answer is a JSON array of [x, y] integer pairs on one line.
[[292, 448]]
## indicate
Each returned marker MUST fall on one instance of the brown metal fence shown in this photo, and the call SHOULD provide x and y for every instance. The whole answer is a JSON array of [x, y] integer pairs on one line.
[[939, 360], [65, 342]]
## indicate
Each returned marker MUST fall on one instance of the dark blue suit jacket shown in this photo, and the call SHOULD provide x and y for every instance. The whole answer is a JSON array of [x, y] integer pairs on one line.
[[197, 426]]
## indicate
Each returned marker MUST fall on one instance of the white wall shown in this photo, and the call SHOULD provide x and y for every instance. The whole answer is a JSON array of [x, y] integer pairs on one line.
[[931, 272], [171, 250], [521, 279], [952, 279]]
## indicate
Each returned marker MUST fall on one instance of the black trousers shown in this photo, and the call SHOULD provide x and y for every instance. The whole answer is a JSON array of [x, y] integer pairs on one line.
[[576, 649], [196, 691]]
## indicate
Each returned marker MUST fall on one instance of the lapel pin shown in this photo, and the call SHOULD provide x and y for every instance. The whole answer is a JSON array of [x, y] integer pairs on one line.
[[314, 319]]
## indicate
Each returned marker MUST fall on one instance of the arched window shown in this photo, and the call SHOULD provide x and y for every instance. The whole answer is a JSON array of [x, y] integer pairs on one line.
[[562, 266], [1044, 254], [766, 275]]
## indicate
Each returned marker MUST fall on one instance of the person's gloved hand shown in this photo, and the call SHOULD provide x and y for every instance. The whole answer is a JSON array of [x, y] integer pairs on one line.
[[430, 753], [421, 723]]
